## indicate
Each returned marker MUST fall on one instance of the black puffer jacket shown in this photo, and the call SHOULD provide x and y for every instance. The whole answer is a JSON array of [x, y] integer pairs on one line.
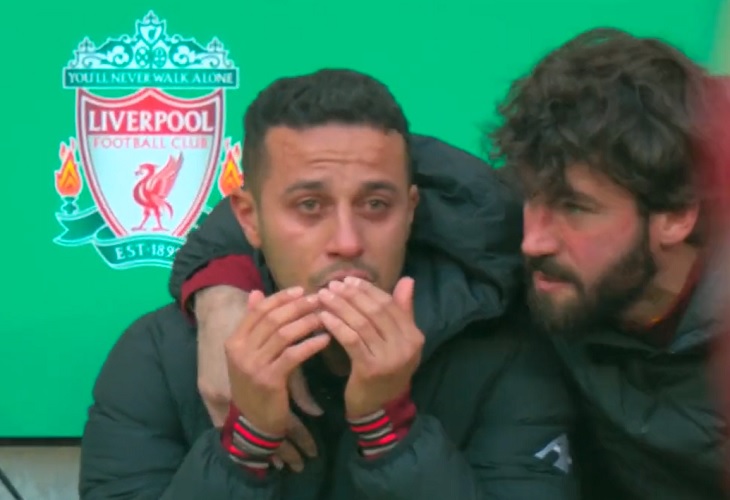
[[492, 412], [652, 426]]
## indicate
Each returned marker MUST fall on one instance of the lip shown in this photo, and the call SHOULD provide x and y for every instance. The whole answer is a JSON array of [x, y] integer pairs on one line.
[[544, 284]]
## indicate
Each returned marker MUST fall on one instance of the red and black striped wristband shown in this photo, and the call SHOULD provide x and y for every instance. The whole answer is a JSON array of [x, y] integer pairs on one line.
[[375, 433], [381, 431], [251, 448]]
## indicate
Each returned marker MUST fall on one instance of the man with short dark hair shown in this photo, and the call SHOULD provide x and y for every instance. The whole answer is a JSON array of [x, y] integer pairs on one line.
[[429, 386]]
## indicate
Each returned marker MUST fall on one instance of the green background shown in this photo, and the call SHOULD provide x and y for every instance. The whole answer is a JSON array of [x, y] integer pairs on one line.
[[447, 62]]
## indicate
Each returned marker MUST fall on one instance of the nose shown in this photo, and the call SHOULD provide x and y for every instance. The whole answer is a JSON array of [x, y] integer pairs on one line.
[[346, 241], [539, 236]]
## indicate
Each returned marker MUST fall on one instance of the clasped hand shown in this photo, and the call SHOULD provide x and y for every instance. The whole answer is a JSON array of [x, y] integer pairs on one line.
[[375, 329]]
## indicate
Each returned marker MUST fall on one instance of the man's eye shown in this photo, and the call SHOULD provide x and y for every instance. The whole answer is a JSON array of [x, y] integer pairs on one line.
[[573, 208], [309, 205], [377, 204]]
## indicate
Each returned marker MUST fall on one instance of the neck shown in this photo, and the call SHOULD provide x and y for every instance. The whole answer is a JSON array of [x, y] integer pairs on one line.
[[663, 291]]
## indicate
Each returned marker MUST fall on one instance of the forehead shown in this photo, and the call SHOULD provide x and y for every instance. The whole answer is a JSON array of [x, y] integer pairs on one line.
[[292, 152], [586, 182], [579, 181]]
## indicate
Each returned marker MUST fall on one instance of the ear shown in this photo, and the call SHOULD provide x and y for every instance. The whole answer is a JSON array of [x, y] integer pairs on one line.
[[673, 228], [413, 198], [245, 209]]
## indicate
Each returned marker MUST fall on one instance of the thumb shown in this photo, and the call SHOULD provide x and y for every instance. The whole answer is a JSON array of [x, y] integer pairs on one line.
[[403, 295], [299, 392]]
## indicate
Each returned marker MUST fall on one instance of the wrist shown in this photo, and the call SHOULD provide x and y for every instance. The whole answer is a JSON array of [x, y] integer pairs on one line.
[[374, 433], [246, 445], [380, 431]]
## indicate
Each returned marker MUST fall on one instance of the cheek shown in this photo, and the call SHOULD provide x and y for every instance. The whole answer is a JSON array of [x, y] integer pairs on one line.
[[591, 254], [285, 226], [385, 244], [290, 248]]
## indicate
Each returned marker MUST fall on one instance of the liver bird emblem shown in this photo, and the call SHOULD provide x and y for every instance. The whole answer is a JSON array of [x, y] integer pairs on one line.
[[151, 191]]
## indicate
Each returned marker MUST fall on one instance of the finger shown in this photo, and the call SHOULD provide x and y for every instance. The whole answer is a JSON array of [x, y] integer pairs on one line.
[[289, 455], [296, 354], [299, 392], [301, 437], [282, 337], [278, 463], [377, 306], [278, 317], [392, 317], [403, 295], [255, 297], [258, 307], [348, 338], [339, 305], [403, 299]]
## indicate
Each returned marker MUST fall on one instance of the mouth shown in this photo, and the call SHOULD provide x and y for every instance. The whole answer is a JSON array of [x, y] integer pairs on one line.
[[548, 284]]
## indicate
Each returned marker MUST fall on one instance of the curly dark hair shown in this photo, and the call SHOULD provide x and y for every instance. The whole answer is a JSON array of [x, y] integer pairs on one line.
[[624, 105], [323, 97]]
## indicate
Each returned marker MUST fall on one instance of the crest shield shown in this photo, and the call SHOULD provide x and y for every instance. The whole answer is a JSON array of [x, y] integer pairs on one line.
[[139, 173], [149, 158]]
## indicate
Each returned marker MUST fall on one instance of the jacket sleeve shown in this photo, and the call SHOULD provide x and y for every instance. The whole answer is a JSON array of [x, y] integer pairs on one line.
[[219, 235], [134, 446], [518, 448]]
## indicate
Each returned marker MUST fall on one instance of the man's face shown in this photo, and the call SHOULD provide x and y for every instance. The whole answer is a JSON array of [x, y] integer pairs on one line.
[[334, 201], [588, 256]]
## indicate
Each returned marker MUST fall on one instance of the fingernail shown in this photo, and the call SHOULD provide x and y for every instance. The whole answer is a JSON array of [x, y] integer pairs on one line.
[[337, 285], [297, 290], [326, 294], [352, 280], [312, 299], [297, 467]]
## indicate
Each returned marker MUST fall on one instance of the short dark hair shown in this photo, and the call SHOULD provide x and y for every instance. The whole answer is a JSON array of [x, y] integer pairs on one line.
[[623, 105], [326, 96]]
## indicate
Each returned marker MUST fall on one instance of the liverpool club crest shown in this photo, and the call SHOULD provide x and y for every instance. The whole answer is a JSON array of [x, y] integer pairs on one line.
[[144, 162]]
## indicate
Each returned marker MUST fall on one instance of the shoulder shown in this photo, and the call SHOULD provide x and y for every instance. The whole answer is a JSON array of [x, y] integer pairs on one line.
[[156, 331], [157, 347], [502, 357], [502, 338]]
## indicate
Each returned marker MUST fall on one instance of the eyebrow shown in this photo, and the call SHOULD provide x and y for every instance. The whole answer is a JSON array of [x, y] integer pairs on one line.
[[380, 186], [305, 186], [367, 187]]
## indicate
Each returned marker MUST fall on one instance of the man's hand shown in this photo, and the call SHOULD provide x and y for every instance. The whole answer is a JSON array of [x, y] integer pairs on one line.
[[379, 334], [268, 346], [218, 311]]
